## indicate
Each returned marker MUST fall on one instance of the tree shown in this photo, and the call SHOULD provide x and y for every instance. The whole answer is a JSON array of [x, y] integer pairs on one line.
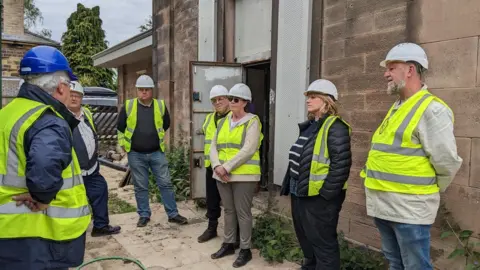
[[147, 26], [85, 37], [32, 15]]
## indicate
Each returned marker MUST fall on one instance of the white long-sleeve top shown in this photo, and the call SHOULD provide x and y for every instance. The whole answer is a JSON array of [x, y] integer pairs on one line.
[[435, 133]]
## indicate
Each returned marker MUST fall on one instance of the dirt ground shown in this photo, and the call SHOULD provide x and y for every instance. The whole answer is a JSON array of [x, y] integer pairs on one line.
[[160, 245]]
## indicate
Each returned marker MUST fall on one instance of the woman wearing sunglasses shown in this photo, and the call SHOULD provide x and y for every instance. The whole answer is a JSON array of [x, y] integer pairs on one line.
[[235, 157], [316, 178]]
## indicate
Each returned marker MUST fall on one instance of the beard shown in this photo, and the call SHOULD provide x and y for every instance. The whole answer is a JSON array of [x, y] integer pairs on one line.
[[394, 88]]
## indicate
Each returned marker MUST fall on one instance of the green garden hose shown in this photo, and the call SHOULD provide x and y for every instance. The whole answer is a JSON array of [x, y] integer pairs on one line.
[[113, 258]]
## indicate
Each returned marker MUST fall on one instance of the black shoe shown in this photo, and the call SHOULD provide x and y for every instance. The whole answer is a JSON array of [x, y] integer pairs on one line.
[[142, 221], [107, 230], [244, 257], [225, 250], [178, 219], [209, 233]]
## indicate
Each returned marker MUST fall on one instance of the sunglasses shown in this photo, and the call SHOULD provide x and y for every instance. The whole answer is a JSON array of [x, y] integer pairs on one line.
[[234, 99]]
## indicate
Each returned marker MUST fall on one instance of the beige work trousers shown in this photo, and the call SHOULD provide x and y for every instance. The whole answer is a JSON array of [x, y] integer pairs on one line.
[[237, 199]]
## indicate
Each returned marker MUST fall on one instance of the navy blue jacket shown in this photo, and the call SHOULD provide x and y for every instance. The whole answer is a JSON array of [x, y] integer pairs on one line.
[[48, 147]]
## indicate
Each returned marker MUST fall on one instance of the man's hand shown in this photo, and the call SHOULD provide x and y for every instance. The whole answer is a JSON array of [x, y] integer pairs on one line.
[[27, 199], [222, 173]]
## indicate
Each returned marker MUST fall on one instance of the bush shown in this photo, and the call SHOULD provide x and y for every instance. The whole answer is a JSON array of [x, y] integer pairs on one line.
[[275, 237], [179, 166]]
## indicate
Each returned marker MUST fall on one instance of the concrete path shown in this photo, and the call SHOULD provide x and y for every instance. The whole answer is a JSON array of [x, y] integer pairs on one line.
[[162, 245]]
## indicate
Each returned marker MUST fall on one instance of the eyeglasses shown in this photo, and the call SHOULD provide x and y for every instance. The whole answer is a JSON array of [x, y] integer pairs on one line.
[[234, 99]]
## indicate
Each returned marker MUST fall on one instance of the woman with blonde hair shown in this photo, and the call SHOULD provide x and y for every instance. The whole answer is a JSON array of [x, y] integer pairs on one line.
[[235, 158], [316, 178]]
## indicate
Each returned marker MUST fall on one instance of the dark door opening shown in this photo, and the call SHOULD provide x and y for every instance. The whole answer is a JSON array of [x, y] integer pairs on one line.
[[257, 77]]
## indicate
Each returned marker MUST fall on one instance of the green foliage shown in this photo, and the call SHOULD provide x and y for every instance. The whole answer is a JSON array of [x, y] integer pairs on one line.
[[179, 165], [466, 246], [85, 37], [119, 206], [147, 26], [31, 16], [275, 237]]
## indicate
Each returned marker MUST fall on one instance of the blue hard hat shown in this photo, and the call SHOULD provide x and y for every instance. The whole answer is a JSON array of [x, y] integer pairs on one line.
[[45, 59]]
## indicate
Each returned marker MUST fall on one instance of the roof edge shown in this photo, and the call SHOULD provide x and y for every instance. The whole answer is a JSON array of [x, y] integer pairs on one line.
[[123, 44], [42, 37]]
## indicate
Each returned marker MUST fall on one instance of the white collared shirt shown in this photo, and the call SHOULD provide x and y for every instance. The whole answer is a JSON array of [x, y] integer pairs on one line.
[[89, 140]]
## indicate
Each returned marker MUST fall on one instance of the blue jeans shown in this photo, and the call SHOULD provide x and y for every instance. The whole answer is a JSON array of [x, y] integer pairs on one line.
[[406, 246], [140, 164]]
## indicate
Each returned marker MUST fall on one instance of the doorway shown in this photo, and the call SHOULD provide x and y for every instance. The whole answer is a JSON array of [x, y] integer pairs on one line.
[[257, 77]]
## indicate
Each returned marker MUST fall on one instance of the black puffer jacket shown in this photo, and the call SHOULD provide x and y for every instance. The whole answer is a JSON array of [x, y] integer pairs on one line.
[[340, 153]]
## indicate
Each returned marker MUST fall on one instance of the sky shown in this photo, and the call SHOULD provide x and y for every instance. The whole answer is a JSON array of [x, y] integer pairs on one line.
[[121, 18]]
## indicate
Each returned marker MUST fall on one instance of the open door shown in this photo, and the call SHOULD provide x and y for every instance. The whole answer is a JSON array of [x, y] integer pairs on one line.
[[203, 76]]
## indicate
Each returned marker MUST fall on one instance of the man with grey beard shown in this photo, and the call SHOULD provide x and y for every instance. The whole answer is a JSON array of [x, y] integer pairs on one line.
[[413, 157]]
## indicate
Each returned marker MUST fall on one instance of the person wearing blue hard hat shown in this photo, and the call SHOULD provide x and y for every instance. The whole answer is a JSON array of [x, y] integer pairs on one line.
[[44, 210]]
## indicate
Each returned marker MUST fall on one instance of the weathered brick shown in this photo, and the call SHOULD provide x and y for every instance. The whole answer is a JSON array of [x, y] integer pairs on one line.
[[335, 14], [356, 26], [359, 158], [380, 101], [343, 225], [372, 62], [335, 32], [365, 234], [334, 49], [461, 54], [361, 140], [329, 3], [356, 195], [391, 18], [464, 146], [374, 42], [343, 66], [462, 202], [13, 17], [351, 102], [464, 103], [478, 65], [355, 180], [475, 163], [356, 212], [367, 121], [358, 8], [365, 82]]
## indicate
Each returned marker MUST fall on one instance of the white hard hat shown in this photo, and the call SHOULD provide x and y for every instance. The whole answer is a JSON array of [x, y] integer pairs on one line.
[[218, 91], [144, 81], [406, 52], [242, 91], [323, 86], [77, 87]]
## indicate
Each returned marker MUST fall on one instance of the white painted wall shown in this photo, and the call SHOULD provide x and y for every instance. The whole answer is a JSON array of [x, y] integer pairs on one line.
[[253, 27], [293, 65], [207, 30]]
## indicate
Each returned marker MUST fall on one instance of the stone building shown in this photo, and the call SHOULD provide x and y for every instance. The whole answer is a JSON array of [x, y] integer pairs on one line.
[[15, 42], [279, 47]]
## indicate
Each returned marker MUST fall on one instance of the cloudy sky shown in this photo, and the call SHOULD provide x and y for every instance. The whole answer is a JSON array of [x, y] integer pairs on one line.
[[121, 18]]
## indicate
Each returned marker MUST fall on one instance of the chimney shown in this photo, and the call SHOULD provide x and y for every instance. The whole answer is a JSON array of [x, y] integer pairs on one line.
[[13, 17]]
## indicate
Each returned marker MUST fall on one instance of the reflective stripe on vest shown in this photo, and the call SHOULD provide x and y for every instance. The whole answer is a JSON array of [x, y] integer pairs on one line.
[[88, 114], [125, 139], [230, 141], [395, 163], [208, 129], [68, 215], [320, 166]]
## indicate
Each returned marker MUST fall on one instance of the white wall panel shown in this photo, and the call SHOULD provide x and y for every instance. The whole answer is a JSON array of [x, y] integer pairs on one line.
[[207, 30], [293, 64], [253, 30]]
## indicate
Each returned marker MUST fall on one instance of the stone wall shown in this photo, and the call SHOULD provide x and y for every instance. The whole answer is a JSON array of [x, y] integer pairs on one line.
[[174, 45], [13, 17], [128, 75], [11, 56]]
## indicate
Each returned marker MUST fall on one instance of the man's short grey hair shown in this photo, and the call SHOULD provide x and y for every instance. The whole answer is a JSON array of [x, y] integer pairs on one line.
[[421, 71], [49, 81]]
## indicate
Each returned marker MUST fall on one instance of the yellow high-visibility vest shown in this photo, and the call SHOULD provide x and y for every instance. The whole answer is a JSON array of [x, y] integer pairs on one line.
[[68, 215], [125, 139], [208, 129], [230, 141], [320, 165], [395, 163], [88, 114]]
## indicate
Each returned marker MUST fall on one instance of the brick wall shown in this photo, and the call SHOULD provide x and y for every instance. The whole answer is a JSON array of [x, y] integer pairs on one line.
[[13, 17], [11, 56], [175, 44], [356, 35], [128, 75]]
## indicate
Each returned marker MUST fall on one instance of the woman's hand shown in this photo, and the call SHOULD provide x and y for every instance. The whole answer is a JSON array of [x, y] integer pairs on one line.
[[222, 173]]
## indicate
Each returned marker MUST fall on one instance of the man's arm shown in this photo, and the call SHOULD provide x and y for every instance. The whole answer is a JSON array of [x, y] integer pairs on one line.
[[166, 120], [121, 126], [48, 148], [435, 132]]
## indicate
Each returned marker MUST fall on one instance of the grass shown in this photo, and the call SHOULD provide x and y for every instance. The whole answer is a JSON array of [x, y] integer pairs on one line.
[[119, 206]]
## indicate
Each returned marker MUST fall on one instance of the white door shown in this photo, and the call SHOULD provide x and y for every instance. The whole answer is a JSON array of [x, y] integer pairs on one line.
[[203, 76]]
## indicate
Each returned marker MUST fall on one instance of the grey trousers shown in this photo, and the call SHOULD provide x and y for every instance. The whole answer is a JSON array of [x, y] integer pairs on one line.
[[237, 198]]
